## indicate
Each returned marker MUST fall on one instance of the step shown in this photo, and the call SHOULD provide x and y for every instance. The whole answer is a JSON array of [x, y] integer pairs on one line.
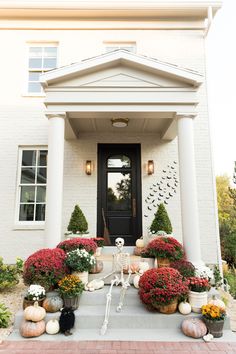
[[113, 249], [134, 314], [136, 335]]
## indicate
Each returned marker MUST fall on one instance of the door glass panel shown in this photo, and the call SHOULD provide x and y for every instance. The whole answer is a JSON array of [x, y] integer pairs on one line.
[[118, 191], [117, 161]]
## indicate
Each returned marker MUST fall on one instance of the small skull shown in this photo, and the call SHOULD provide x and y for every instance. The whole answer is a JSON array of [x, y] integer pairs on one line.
[[119, 242]]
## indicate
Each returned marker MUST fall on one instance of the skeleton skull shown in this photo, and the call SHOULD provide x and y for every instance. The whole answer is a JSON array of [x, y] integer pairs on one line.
[[119, 243]]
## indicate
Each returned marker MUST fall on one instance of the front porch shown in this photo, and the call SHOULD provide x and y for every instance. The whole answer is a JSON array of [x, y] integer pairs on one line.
[[157, 99]]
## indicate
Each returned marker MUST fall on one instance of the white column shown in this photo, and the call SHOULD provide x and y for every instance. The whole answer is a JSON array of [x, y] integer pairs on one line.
[[188, 189], [54, 179]]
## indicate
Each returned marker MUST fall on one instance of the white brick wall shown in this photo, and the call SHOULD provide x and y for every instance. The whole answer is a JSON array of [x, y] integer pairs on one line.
[[23, 123]]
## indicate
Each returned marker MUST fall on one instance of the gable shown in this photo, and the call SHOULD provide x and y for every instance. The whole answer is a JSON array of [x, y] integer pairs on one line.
[[121, 69], [120, 76]]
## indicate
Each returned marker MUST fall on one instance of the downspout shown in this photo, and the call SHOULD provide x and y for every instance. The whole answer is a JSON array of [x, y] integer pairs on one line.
[[209, 20]]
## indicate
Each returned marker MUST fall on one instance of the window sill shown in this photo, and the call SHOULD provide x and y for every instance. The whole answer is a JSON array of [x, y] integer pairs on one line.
[[28, 94], [28, 227]]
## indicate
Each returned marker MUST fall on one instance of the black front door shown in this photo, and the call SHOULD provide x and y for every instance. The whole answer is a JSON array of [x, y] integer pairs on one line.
[[119, 191]]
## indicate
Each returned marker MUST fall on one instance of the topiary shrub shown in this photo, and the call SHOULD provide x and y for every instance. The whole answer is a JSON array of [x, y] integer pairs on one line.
[[45, 267], [5, 316], [161, 221], [78, 222], [82, 243]]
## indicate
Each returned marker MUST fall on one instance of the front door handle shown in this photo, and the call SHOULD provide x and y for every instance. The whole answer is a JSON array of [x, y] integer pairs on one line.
[[134, 207]]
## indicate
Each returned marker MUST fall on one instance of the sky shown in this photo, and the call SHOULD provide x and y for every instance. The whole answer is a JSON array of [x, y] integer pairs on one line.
[[221, 82]]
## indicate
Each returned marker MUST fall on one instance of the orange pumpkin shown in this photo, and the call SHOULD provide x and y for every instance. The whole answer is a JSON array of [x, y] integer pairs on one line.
[[30, 329]]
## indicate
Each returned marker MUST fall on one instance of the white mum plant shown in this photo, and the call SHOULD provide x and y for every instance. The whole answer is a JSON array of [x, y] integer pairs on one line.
[[35, 292], [204, 272]]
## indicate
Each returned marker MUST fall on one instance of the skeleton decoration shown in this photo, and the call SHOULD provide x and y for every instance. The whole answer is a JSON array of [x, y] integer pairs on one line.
[[121, 260]]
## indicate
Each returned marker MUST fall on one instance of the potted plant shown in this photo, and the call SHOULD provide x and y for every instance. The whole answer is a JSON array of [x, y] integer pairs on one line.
[[82, 243], [80, 262], [165, 249], [34, 293], [198, 288], [71, 288], [78, 224], [161, 221], [185, 268], [214, 317], [45, 267], [100, 244], [161, 288]]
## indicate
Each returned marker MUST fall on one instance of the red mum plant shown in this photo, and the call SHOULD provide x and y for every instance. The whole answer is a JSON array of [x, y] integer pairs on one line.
[[45, 267], [161, 286], [185, 268], [82, 243], [99, 241], [165, 247], [198, 285]]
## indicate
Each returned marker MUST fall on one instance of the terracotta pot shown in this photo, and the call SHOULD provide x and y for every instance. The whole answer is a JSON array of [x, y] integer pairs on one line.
[[72, 302], [197, 300], [214, 327], [27, 303], [163, 262]]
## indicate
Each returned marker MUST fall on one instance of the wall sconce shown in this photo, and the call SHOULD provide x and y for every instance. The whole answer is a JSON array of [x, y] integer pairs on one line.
[[150, 167], [88, 167]]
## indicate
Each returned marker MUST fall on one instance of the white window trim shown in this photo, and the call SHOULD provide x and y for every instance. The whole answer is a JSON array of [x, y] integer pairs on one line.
[[25, 92], [25, 225]]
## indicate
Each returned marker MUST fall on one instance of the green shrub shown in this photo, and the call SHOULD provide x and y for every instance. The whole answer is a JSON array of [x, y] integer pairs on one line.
[[229, 249], [9, 273], [5, 316], [161, 221], [78, 222], [230, 276]]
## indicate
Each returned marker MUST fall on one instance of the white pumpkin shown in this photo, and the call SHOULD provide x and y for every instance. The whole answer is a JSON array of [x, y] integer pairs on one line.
[[184, 308], [34, 313], [136, 281], [143, 266], [140, 243], [52, 327], [217, 302]]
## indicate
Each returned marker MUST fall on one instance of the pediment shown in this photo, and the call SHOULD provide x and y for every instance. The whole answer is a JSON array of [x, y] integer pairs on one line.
[[120, 69]]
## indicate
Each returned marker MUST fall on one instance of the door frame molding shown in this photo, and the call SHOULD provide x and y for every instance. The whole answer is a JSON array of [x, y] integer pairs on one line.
[[100, 225]]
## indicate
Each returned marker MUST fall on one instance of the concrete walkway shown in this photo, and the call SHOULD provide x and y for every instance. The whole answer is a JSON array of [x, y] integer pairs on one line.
[[116, 347]]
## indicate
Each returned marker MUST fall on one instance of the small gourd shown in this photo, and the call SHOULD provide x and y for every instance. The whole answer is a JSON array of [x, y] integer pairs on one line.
[[136, 281], [194, 327], [140, 243], [184, 308], [217, 302], [53, 303], [34, 313], [52, 327], [30, 329]]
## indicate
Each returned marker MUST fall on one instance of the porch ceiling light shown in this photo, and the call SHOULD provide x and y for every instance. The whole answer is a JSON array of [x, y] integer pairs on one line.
[[119, 122]]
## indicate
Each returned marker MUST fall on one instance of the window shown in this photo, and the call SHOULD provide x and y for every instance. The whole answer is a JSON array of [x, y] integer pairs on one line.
[[32, 185], [111, 46], [41, 59]]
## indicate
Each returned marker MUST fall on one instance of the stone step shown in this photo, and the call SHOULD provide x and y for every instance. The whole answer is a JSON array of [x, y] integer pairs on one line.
[[113, 249], [134, 315]]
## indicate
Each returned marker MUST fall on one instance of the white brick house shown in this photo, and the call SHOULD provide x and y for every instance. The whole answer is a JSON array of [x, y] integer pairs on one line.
[[139, 61]]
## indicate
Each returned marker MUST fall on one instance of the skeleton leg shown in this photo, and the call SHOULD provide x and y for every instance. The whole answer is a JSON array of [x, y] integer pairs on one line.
[[125, 285], [108, 306]]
